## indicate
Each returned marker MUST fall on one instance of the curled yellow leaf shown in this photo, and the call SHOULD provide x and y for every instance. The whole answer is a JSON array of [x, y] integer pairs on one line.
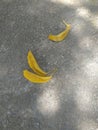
[[35, 78], [34, 65], [39, 76], [59, 37]]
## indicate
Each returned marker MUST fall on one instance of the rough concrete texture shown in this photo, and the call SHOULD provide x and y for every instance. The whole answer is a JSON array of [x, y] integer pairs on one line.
[[70, 100]]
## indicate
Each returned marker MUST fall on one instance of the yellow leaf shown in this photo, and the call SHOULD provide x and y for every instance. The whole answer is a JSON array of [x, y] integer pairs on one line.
[[34, 65], [39, 76], [35, 78], [59, 37]]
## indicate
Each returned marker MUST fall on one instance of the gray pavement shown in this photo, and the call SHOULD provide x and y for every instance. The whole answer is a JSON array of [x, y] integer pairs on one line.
[[70, 100]]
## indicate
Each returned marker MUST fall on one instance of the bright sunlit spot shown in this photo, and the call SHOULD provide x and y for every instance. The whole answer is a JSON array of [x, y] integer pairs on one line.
[[78, 26], [83, 12], [91, 68], [86, 42], [88, 16], [48, 102], [88, 125], [67, 2], [94, 21], [84, 98]]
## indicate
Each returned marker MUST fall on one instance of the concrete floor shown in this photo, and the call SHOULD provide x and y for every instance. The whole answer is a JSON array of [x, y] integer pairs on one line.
[[70, 100]]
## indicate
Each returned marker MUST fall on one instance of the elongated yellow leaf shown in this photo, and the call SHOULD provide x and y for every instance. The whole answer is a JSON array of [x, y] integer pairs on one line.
[[59, 37], [35, 78], [34, 65]]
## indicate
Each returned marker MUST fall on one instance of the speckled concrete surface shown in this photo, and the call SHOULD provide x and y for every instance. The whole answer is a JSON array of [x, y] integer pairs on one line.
[[70, 100]]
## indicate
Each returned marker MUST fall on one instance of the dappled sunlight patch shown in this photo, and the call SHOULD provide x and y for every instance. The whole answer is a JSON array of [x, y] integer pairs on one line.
[[91, 68], [83, 98], [86, 43], [94, 21], [67, 2], [87, 125], [48, 101], [78, 26], [83, 12], [75, 2], [86, 14]]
